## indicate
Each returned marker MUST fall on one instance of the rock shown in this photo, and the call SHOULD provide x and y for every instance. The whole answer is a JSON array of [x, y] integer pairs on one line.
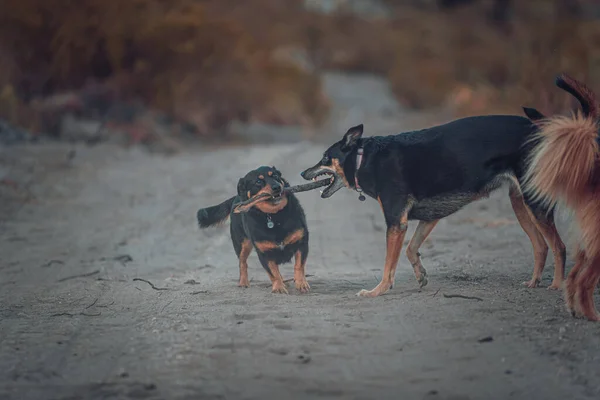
[[80, 130]]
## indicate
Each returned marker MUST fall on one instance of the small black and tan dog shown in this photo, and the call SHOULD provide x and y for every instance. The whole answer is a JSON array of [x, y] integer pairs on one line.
[[276, 228], [429, 174]]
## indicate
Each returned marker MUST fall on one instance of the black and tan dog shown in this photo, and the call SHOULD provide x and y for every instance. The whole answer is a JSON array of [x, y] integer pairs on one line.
[[430, 174], [276, 228]]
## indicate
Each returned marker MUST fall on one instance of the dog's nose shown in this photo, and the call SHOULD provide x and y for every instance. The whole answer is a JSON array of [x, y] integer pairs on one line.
[[276, 187], [302, 174]]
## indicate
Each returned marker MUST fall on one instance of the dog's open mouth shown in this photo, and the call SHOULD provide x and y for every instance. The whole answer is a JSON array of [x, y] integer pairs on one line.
[[330, 175], [276, 198], [335, 182]]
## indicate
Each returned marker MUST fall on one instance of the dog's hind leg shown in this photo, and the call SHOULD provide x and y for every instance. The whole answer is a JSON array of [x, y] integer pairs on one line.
[[244, 252], [412, 251], [570, 285], [544, 221], [540, 248], [586, 283]]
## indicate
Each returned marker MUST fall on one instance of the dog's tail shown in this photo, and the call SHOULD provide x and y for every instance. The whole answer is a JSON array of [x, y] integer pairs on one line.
[[566, 156], [215, 215]]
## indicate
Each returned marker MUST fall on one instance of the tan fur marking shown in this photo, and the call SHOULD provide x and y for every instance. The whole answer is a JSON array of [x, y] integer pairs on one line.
[[570, 286], [540, 248], [299, 274], [270, 173], [293, 237], [394, 240], [278, 286], [268, 208], [380, 203], [265, 246], [261, 177], [412, 251], [246, 250], [337, 168]]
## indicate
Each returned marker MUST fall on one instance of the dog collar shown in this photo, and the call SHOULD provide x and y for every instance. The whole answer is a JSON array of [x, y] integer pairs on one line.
[[359, 156]]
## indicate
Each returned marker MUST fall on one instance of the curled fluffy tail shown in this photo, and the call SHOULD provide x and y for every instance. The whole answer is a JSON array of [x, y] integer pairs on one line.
[[563, 162], [215, 215], [565, 158]]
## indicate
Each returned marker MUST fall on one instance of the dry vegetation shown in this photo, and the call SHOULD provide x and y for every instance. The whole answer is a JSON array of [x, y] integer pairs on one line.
[[211, 61]]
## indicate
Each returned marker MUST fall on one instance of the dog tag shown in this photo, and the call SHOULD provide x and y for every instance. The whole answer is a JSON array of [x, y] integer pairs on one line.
[[270, 223], [361, 197]]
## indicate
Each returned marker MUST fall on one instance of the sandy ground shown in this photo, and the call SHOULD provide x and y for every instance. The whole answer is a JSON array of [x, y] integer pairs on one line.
[[75, 325]]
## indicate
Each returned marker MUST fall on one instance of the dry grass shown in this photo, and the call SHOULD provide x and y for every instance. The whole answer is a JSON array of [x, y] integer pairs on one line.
[[195, 65], [211, 61]]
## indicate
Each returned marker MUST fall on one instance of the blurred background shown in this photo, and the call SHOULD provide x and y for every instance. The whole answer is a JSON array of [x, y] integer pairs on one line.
[[192, 68]]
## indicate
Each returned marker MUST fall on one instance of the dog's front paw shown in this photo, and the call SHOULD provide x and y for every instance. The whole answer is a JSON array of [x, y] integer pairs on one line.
[[555, 286], [302, 286], [420, 275], [279, 287], [533, 283], [380, 289], [423, 280], [244, 283], [367, 293]]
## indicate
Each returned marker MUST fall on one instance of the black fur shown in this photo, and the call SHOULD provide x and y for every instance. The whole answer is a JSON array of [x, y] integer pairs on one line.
[[252, 225], [215, 215], [533, 114], [438, 168]]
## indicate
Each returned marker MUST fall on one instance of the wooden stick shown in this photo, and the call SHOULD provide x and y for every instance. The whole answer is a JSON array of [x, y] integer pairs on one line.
[[240, 207]]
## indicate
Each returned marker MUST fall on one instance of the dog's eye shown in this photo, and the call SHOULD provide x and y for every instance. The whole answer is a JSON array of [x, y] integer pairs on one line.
[[259, 181]]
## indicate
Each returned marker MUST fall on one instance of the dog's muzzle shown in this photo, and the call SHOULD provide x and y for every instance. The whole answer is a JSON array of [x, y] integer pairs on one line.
[[319, 170]]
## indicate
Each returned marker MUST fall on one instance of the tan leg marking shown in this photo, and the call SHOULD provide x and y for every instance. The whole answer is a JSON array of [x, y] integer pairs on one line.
[[540, 248], [570, 287], [265, 246], [246, 250], [339, 170], [299, 274], [586, 283], [412, 251], [559, 253], [395, 239], [278, 286], [294, 237]]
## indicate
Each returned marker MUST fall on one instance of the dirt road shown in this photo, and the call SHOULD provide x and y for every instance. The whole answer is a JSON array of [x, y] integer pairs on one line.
[[75, 325]]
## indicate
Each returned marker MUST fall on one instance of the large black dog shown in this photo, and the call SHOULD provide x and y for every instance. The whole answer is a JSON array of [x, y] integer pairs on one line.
[[276, 228], [429, 174]]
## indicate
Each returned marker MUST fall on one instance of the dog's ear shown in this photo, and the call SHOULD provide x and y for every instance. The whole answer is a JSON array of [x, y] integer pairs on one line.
[[241, 189], [351, 137], [533, 114]]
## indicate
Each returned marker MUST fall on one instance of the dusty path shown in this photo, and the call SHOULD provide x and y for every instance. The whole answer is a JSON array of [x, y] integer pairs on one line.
[[116, 215]]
